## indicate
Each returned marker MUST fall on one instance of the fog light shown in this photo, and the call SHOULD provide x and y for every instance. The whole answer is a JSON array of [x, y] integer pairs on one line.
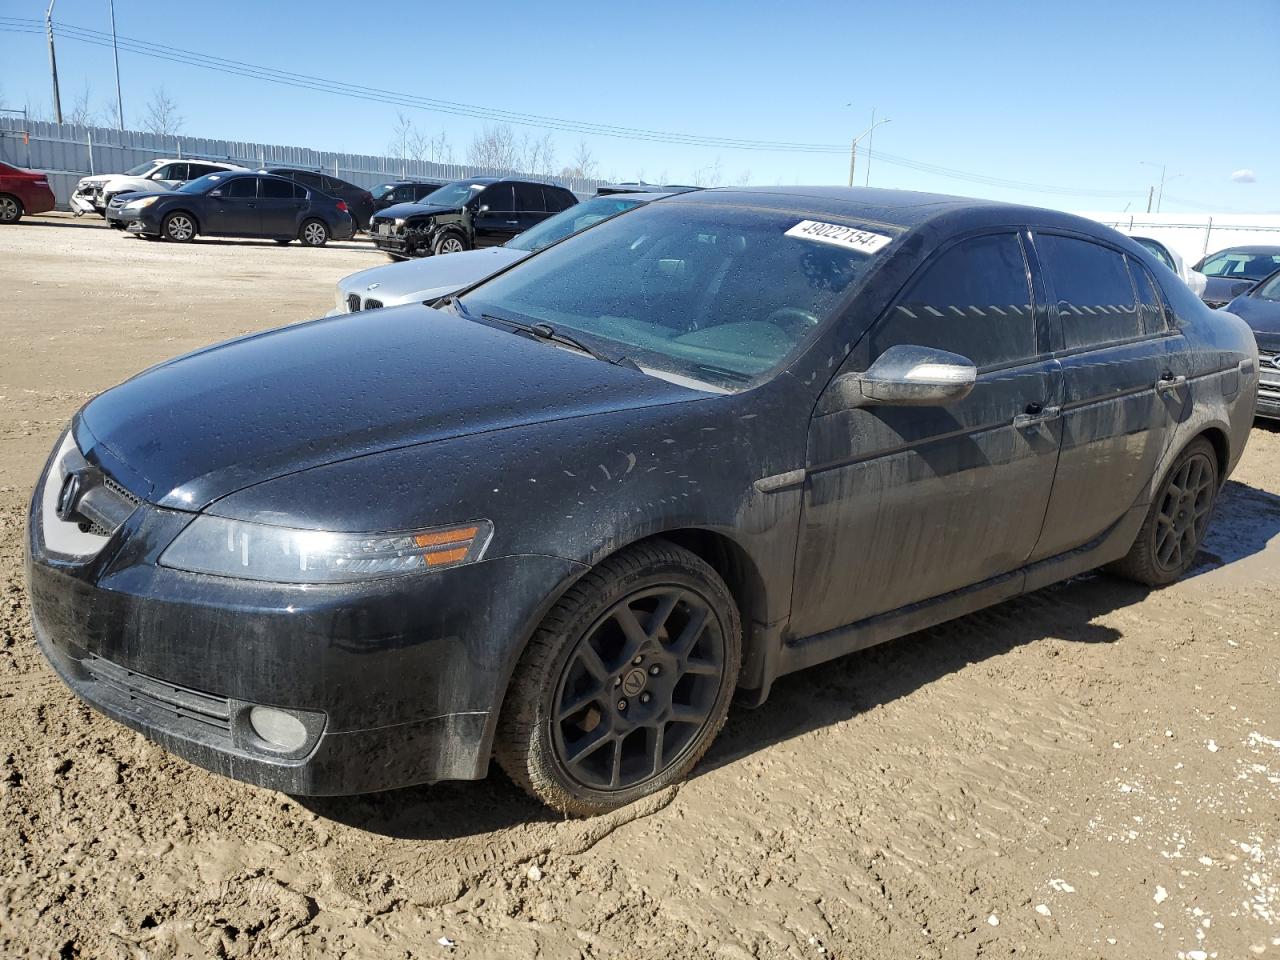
[[278, 729]]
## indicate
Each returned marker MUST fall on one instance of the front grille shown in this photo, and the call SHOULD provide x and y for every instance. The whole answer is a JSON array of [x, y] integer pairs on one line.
[[353, 303], [170, 699], [373, 304]]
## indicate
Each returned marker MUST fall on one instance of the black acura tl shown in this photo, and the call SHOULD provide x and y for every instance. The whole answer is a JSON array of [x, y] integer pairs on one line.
[[559, 518]]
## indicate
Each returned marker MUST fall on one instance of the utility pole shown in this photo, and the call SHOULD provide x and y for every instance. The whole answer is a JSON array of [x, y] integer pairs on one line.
[[870, 143], [853, 147], [115, 51], [1150, 193], [53, 62]]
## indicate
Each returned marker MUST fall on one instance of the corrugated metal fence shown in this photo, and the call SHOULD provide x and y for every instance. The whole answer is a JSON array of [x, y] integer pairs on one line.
[[70, 151]]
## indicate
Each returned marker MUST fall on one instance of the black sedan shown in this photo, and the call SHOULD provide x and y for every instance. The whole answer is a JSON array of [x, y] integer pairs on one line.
[[359, 200], [235, 205], [561, 518], [1233, 271], [1260, 308]]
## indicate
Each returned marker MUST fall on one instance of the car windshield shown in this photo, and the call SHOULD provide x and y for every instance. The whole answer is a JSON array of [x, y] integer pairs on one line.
[[142, 168], [566, 222], [201, 184], [712, 292], [1240, 265], [453, 194], [1158, 251]]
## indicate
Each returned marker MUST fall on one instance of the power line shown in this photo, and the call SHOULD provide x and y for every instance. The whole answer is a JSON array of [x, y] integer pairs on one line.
[[377, 95]]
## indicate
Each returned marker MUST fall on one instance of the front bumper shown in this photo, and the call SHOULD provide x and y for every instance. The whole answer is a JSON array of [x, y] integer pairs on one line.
[[1269, 386], [400, 679], [86, 203]]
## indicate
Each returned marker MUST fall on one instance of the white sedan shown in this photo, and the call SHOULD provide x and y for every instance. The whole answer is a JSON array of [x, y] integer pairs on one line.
[[1194, 279], [430, 278]]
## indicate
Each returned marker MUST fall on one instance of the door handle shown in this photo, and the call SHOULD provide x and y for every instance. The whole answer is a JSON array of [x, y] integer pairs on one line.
[[1036, 415], [514, 223], [1169, 382], [252, 206]]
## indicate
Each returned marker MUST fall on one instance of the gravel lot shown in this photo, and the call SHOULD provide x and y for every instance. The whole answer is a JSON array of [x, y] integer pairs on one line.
[[1091, 771]]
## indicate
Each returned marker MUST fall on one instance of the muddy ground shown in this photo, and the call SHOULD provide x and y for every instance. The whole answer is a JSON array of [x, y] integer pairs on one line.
[[1091, 771]]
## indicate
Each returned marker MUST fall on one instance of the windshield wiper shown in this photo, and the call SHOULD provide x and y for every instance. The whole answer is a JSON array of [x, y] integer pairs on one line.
[[453, 300], [726, 372], [544, 331]]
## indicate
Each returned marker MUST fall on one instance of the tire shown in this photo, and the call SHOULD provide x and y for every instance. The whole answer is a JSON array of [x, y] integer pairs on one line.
[[448, 243], [583, 672], [1177, 520], [178, 227], [10, 208], [314, 233], [395, 257], [115, 224], [148, 236]]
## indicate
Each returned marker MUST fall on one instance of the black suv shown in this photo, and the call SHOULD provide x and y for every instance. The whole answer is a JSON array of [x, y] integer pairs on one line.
[[479, 212], [359, 200], [402, 191]]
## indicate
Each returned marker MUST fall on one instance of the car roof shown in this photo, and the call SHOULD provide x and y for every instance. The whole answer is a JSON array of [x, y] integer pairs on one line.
[[1259, 248], [901, 208]]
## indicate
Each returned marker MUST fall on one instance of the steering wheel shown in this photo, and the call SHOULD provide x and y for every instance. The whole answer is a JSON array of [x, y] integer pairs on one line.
[[793, 320]]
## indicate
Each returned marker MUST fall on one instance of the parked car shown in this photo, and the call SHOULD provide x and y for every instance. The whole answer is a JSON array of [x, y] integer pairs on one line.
[[94, 194], [479, 212], [1260, 308], [1194, 279], [1233, 271], [359, 200], [21, 192], [723, 437], [433, 277], [235, 205], [402, 191], [641, 187]]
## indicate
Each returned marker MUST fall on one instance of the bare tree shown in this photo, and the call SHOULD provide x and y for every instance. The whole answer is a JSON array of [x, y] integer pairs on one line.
[[708, 176], [745, 179], [583, 165], [410, 142], [80, 111], [162, 116], [537, 156], [399, 145], [495, 148]]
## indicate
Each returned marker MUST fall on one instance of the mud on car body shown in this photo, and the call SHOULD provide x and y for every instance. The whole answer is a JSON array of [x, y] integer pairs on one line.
[[466, 215], [559, 520]]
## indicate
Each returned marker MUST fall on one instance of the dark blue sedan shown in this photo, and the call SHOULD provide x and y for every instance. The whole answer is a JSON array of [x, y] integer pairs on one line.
[[1260, 308], [235, 205]]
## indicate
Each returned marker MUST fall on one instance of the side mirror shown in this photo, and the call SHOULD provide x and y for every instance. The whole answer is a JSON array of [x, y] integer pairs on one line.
[[216, 193], [908, 376], [483, 208]]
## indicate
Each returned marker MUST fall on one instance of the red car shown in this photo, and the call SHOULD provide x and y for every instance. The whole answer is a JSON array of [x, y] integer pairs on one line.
[[22, 191]]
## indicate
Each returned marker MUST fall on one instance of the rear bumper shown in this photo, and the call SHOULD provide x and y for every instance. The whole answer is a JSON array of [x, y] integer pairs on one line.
[[38, 201]]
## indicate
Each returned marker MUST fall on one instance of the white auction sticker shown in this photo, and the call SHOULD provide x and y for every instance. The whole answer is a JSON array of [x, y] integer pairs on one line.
[[864, 241]]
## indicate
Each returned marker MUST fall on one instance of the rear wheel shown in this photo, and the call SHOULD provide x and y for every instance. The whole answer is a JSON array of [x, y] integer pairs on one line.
[[1177, 520], [10, 209], [314, 233], [448, 243], [178, 227], [625, 684]]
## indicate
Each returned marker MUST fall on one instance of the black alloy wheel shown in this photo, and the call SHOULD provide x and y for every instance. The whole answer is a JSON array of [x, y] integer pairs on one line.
[[626, 684]]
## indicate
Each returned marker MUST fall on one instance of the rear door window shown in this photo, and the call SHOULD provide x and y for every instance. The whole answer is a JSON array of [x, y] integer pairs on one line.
[[1096, 302], [171, 171], [276, 189], [332, 186], [558, 200], [973, 300], [529, 198], [499, 197]]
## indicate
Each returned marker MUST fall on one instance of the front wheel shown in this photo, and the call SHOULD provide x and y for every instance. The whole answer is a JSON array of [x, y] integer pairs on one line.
[[625, 684], [314, 233], [178, 227], [10, 209], [448, 243], [1177, 520]]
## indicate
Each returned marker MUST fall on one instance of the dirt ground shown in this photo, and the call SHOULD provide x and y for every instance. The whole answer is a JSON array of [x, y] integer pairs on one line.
[[1091, 771]]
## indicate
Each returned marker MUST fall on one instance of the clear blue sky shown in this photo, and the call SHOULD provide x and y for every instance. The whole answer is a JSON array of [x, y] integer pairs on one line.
[[1072, 94]]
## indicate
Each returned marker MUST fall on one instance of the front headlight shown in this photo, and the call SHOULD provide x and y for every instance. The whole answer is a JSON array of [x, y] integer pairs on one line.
[[258, 551], [139, 204]]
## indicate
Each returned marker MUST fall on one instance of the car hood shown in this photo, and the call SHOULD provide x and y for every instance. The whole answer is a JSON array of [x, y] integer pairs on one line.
[[1262, 315], [416, 280], [399, 211], [207, 424], [128, 196]]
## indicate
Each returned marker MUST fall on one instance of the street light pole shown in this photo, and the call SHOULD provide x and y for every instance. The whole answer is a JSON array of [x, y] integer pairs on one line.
[[53, 62], [115, 51], [853, 147]]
